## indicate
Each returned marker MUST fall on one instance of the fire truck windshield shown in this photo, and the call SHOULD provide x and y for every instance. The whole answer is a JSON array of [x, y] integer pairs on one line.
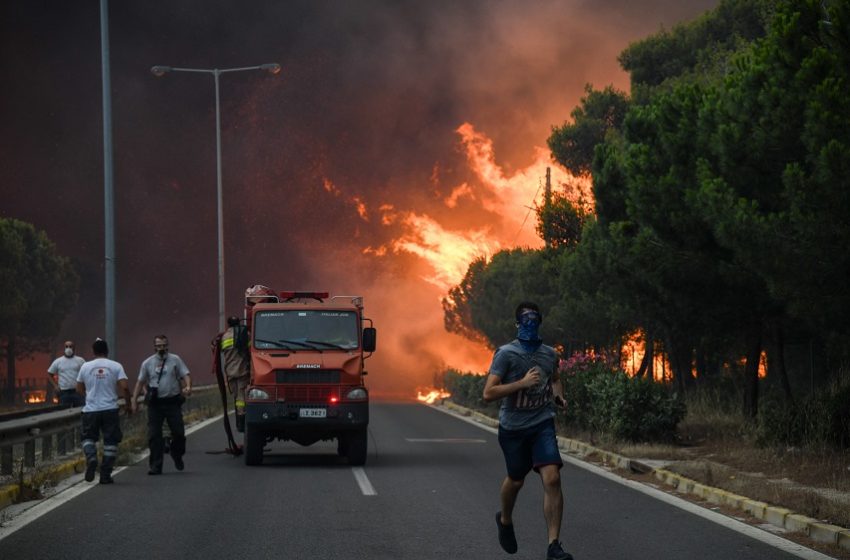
[[310, 329]]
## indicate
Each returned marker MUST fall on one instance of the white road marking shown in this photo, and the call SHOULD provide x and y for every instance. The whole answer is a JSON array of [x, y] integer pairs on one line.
[[775, 541], [75, 487], [363, 481], [445, 440]]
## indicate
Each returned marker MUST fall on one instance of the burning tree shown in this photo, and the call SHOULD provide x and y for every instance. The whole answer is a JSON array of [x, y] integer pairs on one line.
[[721, 196], [39, 288]]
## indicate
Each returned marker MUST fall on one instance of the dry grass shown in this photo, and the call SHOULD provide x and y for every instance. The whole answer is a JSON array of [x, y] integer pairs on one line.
[[717, 447]]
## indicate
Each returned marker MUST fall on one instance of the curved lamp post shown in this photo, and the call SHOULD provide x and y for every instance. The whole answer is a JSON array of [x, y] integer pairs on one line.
[[271, 68]]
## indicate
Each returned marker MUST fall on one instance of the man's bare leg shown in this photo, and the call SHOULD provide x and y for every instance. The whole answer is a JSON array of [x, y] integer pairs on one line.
[[553, 500], [508, 494]]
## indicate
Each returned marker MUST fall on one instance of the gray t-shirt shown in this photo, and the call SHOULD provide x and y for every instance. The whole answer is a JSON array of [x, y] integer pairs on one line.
[[527, 407], [67, 370], [167, 379]]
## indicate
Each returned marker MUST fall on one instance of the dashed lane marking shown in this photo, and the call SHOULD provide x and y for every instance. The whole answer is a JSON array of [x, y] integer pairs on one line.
[[445, 440], [363, 481]]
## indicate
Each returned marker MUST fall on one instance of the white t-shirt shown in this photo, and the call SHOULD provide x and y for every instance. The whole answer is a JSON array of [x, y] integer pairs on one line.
[[67, 369], [100, 376]]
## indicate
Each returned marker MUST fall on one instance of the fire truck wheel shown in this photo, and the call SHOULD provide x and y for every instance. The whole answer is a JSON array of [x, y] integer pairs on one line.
[[253, 448], [356, 447]]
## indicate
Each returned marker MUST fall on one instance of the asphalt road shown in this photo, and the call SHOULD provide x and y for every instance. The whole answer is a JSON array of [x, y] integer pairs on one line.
[[429, 490]]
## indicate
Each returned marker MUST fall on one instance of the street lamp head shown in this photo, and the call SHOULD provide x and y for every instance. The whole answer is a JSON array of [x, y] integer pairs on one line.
[[159, 71], [272, 68]]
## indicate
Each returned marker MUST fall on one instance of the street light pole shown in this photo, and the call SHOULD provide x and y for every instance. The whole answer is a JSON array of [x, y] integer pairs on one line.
[[219, 197], [108, 190], [272, 68]]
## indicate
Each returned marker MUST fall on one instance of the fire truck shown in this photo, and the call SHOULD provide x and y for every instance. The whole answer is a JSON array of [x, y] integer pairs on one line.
[[307, 355]]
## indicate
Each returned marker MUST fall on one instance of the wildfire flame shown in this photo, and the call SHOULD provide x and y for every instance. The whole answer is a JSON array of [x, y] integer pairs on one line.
[[432, 395], [450, 251], [35, 397]]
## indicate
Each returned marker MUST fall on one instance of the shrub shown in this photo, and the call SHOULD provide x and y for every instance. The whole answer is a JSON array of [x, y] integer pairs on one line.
[[467, 390], [822, 419], [599, 398], [606, 400]]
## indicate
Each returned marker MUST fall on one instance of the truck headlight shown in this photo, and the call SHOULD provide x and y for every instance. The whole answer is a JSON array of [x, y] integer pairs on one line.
[[357, 394], [256, 394]]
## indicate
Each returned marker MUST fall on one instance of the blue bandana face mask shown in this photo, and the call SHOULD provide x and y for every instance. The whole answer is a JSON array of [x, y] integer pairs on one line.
[[529, 324]]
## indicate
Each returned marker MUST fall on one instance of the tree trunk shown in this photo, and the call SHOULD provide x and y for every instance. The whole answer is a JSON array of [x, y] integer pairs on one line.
[[776, 359], [701, 365], [680, 362], [10, 371], [751, 375], [646, 362]]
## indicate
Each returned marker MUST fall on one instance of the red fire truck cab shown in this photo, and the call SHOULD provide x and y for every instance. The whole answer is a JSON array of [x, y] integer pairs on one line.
[[307, 372]]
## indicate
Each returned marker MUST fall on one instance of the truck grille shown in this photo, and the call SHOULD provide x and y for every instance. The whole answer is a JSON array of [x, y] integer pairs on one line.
[[283, 376], [307, 393]]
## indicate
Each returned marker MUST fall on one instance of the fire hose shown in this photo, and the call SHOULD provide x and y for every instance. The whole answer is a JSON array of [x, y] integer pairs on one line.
[[232, 447]]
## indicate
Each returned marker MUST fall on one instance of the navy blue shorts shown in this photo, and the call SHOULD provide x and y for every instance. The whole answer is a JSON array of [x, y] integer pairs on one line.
[[530, 448]]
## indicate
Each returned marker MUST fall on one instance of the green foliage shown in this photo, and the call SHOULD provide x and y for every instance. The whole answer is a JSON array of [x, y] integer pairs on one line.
[[694, 46], [467, 389], [607, 401], [598, 398], [822, 419], [483, 304], [573, 145], [39, 288], [560, 222], [776, 178]]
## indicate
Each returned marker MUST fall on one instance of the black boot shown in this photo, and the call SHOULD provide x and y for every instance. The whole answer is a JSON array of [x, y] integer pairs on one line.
[[106, 469]]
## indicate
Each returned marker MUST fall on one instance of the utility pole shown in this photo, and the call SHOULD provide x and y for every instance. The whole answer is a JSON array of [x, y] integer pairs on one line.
[[547, 202]]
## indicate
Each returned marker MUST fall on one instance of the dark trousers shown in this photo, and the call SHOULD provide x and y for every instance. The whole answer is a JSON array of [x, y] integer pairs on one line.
[[94, 423], [70, 397], [172, 413]]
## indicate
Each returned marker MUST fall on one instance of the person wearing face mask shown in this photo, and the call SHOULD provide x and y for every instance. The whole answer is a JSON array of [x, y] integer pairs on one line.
[[523, 375], [167, 382], [63, 375]]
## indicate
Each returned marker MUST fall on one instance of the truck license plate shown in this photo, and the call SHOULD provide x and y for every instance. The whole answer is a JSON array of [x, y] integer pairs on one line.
[[313, 413]]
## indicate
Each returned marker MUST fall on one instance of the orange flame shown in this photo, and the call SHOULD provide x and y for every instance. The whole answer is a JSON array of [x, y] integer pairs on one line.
[[512, 198], [432, 395], [35, 397], [634, 349]]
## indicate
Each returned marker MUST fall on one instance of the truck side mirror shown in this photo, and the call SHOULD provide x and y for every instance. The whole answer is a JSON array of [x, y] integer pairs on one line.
[[369, 336]]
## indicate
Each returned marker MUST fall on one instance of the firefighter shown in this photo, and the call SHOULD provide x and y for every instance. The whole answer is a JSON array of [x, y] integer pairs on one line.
[[236, 363]]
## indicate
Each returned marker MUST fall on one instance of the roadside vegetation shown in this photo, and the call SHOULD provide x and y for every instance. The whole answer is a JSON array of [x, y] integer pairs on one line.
[[702, 436], [703, 282]]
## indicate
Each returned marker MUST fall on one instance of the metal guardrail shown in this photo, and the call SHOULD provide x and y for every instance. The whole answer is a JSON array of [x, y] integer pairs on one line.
[[58, 431]]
